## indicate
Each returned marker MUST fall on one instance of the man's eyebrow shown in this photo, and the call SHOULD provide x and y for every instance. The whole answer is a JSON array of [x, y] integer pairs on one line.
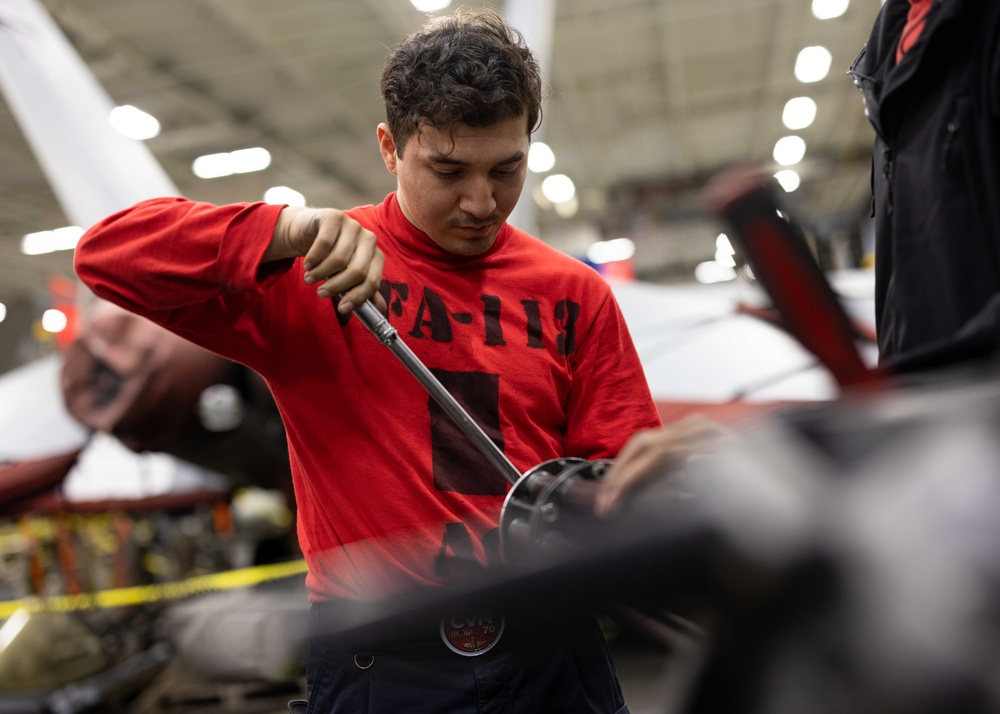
[[449, 160], [513, 158]]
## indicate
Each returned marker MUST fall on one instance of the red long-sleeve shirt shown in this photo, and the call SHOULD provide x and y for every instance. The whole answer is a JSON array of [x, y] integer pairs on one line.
[[530, 341]]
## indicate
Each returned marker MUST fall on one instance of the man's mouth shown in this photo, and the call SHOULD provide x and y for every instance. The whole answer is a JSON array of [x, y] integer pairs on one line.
[[473, 225], [474, 228]]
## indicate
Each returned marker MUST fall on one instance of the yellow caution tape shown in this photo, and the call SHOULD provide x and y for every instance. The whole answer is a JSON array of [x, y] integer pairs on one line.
[[142, 594]]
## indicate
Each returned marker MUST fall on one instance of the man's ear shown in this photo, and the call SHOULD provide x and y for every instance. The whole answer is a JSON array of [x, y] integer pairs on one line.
[[387, 146]]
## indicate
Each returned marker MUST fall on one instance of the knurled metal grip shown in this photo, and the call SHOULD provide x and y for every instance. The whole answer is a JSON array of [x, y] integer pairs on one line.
[[375, 322]]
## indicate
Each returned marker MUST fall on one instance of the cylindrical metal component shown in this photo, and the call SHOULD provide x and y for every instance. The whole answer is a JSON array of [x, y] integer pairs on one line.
[[555, 495], [578, 492], [379, 326], [519, 532]]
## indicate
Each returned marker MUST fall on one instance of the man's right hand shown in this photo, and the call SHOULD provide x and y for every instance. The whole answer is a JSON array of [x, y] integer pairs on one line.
[[648, 454], [341, 255]]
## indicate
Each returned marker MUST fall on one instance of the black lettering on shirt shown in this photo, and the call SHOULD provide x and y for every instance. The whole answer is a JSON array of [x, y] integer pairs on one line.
[[533, 314], [436, 319], [457, 463], [567, 313], [491, 316], [456, 556], [401, 291]]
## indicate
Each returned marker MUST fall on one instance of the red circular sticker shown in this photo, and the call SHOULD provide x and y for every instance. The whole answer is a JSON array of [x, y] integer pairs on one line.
[[471, 635]]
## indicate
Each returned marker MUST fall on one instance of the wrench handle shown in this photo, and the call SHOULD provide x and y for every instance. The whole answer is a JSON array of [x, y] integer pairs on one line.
[[378, 325]]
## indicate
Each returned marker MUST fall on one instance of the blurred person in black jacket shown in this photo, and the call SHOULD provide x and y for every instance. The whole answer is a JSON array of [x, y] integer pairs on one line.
[[930, 77]]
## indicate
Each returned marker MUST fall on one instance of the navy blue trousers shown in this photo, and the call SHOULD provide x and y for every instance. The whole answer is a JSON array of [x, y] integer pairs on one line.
[[562, 667]]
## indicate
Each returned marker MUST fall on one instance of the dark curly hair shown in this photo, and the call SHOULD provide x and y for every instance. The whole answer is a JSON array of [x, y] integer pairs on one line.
[[469, 67]]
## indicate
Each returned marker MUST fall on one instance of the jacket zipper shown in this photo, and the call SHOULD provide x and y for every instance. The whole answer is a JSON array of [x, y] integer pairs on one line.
[[953, 126], [887, 169]]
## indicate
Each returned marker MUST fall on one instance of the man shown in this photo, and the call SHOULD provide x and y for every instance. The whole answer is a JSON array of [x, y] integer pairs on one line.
[[930, 77], [390, 496]]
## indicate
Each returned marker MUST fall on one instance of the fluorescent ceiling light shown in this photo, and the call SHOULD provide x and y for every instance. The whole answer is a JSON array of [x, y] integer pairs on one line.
[[283, 194], [789, 179], [724, 253], [610, 251], [54, 320], [540, 199], [3, 312], [813, 64], [213, 166], [51, 241], [248, 160], [430, 5], [134, 123], [540, 158], [558, 188], [711, 272], [829, 9], [799, 113], [241, 161], [789, 150]]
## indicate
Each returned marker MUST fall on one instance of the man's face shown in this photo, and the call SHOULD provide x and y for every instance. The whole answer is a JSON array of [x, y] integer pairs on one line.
[[459, 187]]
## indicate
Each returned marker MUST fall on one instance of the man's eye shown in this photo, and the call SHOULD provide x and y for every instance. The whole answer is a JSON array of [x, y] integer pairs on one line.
[[447, 174]]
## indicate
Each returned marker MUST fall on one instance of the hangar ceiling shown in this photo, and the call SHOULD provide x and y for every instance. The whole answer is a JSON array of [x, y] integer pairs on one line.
[[647, 98]]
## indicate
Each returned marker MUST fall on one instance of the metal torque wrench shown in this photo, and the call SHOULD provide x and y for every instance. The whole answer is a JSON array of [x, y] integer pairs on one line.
[[379, 326], [539, 498]]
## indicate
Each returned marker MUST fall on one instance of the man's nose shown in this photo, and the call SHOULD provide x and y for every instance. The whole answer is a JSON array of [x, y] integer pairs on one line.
[[478, 199]]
